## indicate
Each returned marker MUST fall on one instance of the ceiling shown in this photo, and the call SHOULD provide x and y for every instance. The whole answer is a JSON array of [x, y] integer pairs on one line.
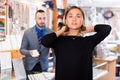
[[96, 3], [89, 3]]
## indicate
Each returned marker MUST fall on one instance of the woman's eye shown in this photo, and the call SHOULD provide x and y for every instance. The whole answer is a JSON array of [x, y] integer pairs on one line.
[[78, 16], [70, 16]]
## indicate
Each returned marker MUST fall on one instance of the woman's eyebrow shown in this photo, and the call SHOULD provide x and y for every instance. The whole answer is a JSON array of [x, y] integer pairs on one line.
[[72, 13]]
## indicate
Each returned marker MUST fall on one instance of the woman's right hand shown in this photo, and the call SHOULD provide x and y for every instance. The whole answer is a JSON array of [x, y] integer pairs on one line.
[[61, 31], [63, 28]]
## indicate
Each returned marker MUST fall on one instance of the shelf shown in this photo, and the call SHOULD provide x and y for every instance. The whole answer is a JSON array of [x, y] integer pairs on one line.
[[97, 73], [2, 16], [42, 76], [97, 65]]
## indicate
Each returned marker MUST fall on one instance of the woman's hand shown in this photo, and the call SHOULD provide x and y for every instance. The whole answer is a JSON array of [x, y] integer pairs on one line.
[[61, 31], [89, 29]]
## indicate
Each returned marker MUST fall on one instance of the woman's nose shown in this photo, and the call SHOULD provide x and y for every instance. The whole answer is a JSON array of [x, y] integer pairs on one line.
[[74, 18]]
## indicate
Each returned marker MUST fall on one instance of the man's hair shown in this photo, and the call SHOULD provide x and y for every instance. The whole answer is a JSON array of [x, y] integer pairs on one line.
[[39, 11]]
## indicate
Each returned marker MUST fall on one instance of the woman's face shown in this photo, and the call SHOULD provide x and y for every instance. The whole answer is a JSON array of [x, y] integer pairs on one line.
[[74, 19]]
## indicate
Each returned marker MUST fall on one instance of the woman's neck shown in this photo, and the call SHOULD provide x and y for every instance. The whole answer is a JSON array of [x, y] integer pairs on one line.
[[74, 32]]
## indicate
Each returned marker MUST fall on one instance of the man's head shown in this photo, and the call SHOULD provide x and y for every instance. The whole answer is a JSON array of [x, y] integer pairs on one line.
[[40, 18]]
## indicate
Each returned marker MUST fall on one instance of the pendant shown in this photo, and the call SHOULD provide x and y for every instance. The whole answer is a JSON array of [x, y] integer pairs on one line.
[[74, 38]]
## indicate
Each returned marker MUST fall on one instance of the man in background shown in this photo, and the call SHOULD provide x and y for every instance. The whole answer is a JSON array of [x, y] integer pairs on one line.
[[36, 55]]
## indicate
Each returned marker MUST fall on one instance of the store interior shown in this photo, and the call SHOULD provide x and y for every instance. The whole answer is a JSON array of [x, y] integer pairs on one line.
[[16, 16]]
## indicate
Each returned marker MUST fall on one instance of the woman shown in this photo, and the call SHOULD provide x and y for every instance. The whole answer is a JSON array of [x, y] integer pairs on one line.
[[74, 50]]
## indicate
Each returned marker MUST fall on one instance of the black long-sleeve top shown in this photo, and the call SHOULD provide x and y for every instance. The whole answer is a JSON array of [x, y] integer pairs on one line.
[[74, 53]]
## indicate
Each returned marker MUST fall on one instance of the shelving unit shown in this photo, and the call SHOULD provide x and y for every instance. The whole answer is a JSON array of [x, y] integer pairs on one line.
[[110, 67], [3, 19]]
